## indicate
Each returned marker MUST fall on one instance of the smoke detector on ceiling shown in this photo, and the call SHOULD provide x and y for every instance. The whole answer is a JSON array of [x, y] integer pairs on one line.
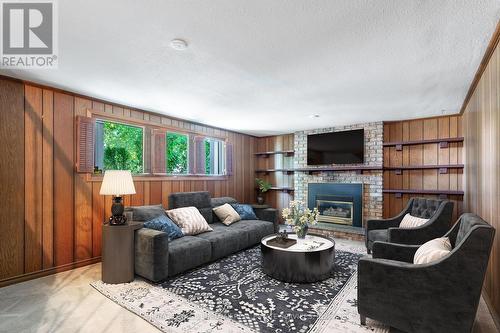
[[178, 44], [314, 116]]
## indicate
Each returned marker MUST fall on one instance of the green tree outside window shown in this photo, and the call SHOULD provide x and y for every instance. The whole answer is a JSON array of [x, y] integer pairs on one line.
[[177, 153], [123, 147]]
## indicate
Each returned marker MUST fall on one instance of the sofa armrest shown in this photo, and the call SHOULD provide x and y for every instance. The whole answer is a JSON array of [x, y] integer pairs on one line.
[[268, 214], [151, 254], [391, 251]]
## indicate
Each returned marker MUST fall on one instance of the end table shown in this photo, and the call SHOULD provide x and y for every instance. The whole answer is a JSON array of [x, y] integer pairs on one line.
[[118, 252]]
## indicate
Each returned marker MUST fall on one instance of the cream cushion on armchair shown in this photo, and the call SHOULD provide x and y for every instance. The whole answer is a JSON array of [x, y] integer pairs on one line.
[[410, 221], [433, 250]]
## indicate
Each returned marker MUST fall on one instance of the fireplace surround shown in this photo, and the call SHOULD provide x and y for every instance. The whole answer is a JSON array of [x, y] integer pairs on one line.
[[337, 203]]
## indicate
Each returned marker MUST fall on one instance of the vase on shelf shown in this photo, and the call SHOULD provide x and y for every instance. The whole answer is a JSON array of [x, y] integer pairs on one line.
[[260, 199]]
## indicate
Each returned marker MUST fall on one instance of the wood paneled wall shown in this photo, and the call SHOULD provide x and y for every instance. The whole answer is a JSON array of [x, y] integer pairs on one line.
[[481, 123], [50, 216], [275, 198], [424, 154]]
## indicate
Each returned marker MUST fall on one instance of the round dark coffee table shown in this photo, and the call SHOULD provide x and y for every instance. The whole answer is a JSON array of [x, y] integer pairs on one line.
[[309, 260]]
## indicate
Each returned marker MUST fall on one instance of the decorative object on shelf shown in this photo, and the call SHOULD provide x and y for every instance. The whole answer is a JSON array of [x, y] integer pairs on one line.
[[117, 183], [299, 217], [97, 171], [263, 186]]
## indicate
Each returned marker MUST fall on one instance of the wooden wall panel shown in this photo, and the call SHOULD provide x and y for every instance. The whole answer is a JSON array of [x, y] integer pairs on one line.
[[12, 176], [58, 224], [33, 179], [421, 155], [481, 127], [63, 179]]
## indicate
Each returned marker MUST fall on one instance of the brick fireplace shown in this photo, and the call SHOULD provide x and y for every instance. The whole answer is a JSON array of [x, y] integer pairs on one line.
[[370, 182]]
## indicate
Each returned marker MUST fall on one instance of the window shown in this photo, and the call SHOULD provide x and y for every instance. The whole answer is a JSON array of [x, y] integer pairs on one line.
[[177, 153], [118, 147], [214, 157]]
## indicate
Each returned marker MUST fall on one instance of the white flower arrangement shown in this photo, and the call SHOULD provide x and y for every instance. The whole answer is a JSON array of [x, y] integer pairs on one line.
[[299, 216]]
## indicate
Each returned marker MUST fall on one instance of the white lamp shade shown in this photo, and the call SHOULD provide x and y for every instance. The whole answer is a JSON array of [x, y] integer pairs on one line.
[[117, 183]]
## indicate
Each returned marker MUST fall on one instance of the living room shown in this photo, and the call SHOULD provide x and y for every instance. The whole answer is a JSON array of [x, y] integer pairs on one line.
[[232, 166]]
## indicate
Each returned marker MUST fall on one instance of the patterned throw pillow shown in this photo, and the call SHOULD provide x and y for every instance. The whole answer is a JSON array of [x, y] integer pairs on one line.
[[226, 214], [245, 211], [189, 220], [433, 250], [410, 221], [163, 223]]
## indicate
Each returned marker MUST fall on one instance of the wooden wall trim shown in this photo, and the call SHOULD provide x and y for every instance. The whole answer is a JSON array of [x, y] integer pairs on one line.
[[48, 271], [492, 45]]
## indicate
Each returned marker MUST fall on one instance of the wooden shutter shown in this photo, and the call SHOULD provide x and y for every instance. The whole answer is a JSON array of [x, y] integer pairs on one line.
[[158, 144], [85, 133], [199, 155], [191, 154], [229, 159]]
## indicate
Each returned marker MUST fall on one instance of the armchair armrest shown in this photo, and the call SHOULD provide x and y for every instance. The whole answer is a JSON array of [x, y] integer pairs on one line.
[[151, 254], [268, 214], [391, 251]]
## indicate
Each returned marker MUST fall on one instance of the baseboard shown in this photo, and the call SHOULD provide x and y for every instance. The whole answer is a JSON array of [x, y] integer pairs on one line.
[[494, 315], [48, 271]]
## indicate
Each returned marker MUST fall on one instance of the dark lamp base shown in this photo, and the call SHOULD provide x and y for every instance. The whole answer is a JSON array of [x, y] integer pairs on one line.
[[117, 210]]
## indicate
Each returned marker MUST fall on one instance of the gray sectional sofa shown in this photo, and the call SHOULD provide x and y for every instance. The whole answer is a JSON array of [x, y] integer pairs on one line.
[[157, 258]]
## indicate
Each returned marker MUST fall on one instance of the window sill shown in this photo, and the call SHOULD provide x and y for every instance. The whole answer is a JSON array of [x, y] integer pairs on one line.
[[153, 177]]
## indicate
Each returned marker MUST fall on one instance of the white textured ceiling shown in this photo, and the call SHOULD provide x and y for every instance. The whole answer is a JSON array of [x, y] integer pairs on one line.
[[263, 67]]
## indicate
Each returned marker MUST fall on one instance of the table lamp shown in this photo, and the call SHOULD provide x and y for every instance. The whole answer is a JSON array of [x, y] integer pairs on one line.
[[117, 183]]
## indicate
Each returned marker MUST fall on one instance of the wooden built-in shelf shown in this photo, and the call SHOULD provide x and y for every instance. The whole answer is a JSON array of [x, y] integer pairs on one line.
[[443, 168], [281, 188], [443, 142], [277, 152], [399, 192], [358, 169], [287, 171]]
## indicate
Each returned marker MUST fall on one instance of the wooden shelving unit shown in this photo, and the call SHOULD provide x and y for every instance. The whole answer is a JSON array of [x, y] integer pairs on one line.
[[358, 169], [443, 168], [399, 192], [443, 142], [267, 171], [277, 152]]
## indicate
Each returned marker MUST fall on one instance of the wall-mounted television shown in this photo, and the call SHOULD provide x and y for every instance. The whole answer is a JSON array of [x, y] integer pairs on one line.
[[346, 147]]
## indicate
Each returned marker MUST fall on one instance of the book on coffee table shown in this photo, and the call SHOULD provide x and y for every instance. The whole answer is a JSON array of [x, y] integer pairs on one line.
[[283, 243]]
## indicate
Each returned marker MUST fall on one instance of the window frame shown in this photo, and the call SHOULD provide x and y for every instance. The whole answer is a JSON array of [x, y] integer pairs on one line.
[[223, 159], [148, 127], [188, 151], [97, 119]]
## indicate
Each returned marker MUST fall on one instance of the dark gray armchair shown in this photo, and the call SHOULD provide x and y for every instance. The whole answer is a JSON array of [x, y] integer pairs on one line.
[[438, 212], [437, 297]]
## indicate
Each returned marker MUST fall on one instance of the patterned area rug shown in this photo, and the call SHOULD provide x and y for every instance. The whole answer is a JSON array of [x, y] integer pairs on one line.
[[234, 295]]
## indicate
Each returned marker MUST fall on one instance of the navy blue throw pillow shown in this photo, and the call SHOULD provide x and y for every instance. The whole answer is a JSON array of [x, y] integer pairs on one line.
[[245, 211], [163, 223]]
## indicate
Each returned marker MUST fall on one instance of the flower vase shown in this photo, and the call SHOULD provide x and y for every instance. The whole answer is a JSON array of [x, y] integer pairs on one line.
[[301, 231]]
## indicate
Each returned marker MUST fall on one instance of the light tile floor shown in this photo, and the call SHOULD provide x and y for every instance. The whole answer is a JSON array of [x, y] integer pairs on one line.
[[65, 302]]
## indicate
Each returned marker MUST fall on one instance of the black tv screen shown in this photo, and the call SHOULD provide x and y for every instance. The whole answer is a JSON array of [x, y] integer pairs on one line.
[[347, 147]]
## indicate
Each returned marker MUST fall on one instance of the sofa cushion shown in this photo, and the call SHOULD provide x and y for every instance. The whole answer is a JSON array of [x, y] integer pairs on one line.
[[146, 213], [380, 235], [186, 253], [225, 241], [227, 214], [432, 250], [245, 211], [165, 224], [216, 202], [189, 220], [256, 229], [200, 200], [410, 222]]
